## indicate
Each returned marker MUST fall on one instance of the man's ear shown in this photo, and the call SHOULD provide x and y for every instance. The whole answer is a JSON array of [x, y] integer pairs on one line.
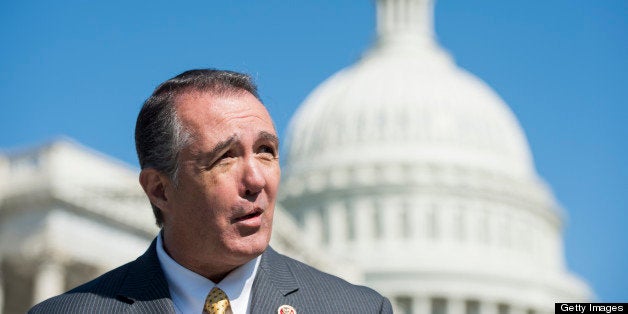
[[155, 184]]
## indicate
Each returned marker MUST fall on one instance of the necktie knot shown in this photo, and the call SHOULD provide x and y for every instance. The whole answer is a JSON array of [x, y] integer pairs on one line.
[[217, 302]]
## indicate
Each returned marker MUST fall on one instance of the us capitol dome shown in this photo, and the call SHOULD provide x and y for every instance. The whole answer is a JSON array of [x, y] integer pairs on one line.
[[404, 173], [416, 173]]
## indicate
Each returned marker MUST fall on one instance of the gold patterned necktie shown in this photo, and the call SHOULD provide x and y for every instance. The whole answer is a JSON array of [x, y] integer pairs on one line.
[[217, 302]]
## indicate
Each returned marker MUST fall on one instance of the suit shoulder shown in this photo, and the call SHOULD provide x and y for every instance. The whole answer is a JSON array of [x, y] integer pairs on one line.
[[108, 282], [318, 282], [101, 290]]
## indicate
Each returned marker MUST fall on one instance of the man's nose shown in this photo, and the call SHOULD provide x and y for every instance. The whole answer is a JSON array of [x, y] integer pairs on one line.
[[253, 177]]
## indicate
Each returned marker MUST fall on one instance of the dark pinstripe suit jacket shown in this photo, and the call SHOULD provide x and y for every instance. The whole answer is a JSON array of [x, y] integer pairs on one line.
[[140, 287]]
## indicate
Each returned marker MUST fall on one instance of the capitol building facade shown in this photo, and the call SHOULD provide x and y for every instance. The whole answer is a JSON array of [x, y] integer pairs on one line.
[[403, 172]]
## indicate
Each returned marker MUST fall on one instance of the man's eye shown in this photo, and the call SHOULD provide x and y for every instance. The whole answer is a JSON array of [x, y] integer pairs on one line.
[[222, 158], [265, 149], [226, 155]]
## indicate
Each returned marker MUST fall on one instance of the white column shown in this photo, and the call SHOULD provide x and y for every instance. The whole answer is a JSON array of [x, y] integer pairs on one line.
[[314, 227], [364, 227], [447, 217], [391, 215], [49, 281], [487, 307], [455, 305], [419, 220], [337, 221], [421, 305], [473, 222]]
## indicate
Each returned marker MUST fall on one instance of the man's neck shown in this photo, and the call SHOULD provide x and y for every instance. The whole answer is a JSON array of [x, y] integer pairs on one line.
[[188, 289], [213, 272]]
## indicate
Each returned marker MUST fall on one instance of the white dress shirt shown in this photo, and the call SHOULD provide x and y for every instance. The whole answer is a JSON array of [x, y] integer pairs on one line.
[[188, 289]]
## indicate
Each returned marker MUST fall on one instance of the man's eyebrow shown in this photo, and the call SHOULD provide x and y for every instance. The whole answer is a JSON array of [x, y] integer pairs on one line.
[[222, 145], [263, 135]]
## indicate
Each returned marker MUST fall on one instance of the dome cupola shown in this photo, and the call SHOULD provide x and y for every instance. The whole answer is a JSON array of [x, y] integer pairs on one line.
[[404, 105]]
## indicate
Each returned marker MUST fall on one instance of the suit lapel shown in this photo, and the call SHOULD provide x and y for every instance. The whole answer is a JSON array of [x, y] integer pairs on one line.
[[273, 282], [145, 288]]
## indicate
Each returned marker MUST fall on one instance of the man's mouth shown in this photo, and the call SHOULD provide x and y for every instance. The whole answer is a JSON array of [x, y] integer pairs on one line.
[[255, 213]]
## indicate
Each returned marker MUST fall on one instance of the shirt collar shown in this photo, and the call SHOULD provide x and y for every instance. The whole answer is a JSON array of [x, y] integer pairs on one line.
[[188, 289]]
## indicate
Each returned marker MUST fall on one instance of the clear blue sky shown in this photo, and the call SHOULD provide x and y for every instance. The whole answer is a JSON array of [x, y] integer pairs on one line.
[[83, 68]]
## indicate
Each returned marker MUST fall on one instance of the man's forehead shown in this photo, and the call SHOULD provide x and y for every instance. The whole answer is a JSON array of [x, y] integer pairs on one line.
[[209, 97], [210, 115], [195, 104]]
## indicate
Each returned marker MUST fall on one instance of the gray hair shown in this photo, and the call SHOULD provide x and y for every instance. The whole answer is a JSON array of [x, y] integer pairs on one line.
[[160, 136]]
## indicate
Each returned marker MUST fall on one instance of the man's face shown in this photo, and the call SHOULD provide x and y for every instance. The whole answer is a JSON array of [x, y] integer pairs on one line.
[[222, 206]]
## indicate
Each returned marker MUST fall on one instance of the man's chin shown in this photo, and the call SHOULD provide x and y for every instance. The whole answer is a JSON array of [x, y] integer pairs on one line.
[[250, 247]]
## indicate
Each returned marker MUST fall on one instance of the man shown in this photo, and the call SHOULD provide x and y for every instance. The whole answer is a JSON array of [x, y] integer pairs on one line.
[[208, 151]]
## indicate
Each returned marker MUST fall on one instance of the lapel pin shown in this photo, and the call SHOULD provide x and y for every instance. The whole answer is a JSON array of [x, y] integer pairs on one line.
[[286, 309]]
